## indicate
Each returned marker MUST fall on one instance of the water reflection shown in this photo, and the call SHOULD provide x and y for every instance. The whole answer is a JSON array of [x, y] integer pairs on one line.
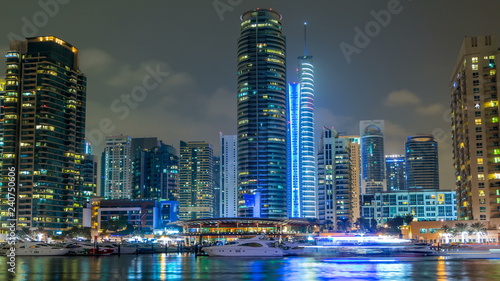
[[187, 267]]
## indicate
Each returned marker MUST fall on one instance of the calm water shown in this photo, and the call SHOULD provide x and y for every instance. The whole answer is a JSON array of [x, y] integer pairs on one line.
[[189, 267]]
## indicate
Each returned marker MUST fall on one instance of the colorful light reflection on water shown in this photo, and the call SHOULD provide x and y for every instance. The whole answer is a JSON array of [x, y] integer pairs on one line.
[[189, 267]]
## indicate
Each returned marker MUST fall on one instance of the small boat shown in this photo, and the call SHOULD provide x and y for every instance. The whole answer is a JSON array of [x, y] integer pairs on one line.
[[471, 252], [293, 248], [88, 249], [35, 249], [122, 249], [257, 246]]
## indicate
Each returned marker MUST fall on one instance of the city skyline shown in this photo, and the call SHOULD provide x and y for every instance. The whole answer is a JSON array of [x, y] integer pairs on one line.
[[122, 54]]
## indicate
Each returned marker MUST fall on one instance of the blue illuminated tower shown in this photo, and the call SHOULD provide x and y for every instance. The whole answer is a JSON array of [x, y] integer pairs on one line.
[[301, 153], [262, 127], [395, 172]]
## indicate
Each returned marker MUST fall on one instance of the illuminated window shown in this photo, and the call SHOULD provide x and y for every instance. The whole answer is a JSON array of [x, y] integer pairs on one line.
[[480, 177], [494, 119], [474, 60], [475, 67], [491, 104], [478, 121], [480, 161]]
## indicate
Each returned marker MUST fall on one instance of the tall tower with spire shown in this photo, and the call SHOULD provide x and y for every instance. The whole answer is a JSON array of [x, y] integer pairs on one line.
[[301, 193]]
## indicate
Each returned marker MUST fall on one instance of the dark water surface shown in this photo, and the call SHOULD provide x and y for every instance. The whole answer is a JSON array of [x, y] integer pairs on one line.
[[189, 267]]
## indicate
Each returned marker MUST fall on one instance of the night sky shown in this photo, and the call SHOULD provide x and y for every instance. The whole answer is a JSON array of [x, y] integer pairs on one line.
[[401, 74]]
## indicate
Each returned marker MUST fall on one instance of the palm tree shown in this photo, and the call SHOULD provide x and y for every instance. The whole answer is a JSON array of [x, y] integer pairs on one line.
[[462, 228], [343, 224], [478, 228], [408, 219], [447, 231]]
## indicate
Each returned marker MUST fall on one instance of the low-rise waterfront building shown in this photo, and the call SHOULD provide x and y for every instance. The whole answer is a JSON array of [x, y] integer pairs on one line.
[[142, 214], [423, 205]]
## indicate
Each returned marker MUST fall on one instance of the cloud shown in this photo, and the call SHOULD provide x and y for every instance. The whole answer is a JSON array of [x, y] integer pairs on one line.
[[432, 109], [127, 76], [402, 97], [394, 138], [94, 60], [222, 99]]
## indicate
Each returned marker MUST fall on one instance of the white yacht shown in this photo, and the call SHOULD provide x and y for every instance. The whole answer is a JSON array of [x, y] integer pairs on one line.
[[123, 248], [251, 247], [87, 249], [35, 249]]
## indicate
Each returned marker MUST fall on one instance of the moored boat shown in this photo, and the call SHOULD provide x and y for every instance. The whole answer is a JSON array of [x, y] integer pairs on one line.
[[35, 249], [87, 249], [122, 249], [257, 246], [471, 251]]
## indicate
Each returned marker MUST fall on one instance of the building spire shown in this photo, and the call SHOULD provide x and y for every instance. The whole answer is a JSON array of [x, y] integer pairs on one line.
[[305, 38]]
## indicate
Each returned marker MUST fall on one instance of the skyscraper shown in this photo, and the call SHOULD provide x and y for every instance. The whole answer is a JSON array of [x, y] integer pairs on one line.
[[195, 180], [217, 187], [118, 167], [301, 153], [261, 116], [422, 167], [355, 182], [229, 176], [44, 133], [475, 129], [334, 179], [139, 152], [155, 169], [395, 172], [161, 170], [372, 156]]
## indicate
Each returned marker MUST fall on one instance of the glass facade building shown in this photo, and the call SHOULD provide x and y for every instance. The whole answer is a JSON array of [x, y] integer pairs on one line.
[[44, 134], [372, 156], [422, 166], [395, 170], [422, 205], [155, 170], [117, 167], [228, 176], [196, 180], [262, 122]]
